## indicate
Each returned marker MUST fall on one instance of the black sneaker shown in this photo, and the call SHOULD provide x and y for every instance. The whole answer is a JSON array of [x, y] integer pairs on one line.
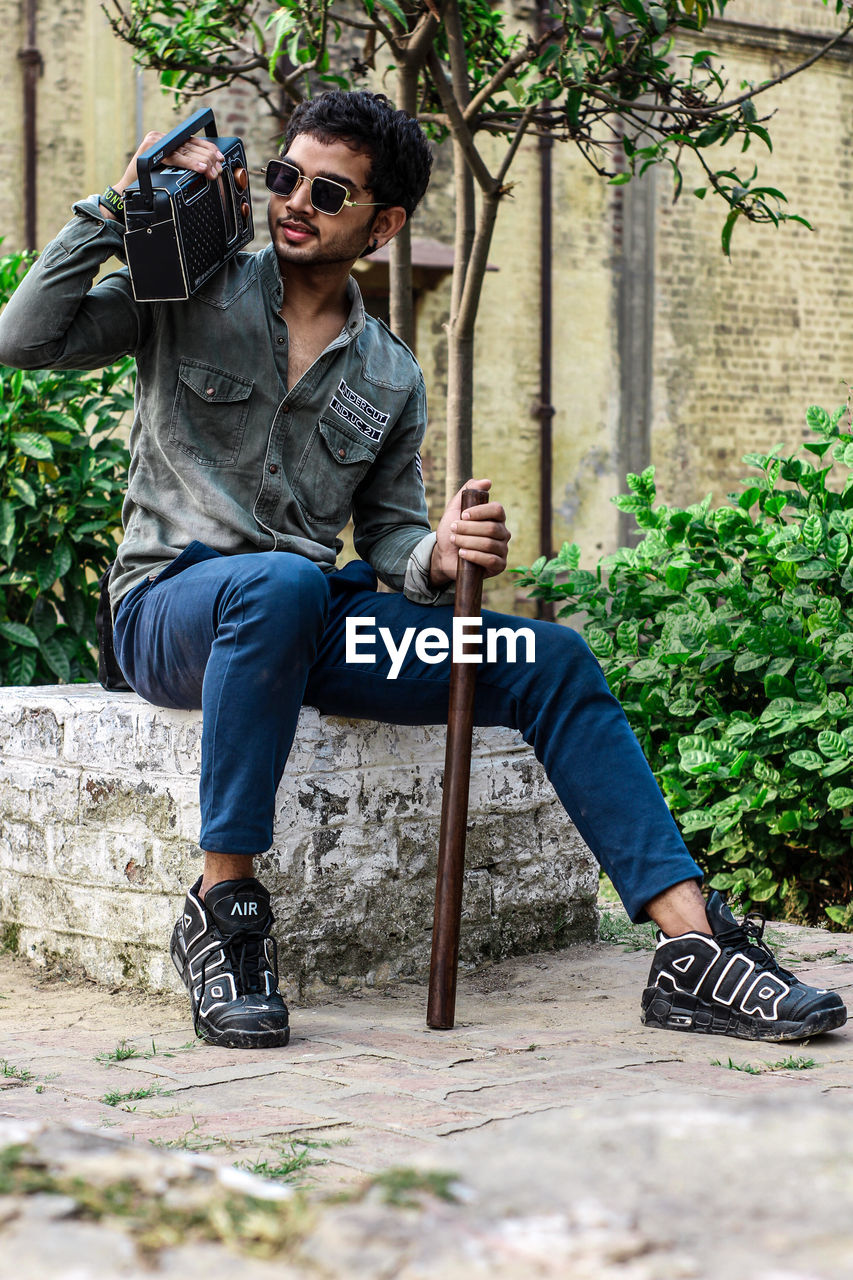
[[228, 962], [731, 985]]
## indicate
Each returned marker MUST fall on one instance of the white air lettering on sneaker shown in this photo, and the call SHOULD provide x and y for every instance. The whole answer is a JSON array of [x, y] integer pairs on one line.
[[244, 909]]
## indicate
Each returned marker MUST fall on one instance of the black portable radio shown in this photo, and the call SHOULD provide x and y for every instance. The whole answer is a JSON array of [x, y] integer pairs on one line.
[[182, 226]]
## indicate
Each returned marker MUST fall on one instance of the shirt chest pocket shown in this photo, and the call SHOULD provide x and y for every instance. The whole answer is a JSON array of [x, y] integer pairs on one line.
[[331, 467], [209, 414]]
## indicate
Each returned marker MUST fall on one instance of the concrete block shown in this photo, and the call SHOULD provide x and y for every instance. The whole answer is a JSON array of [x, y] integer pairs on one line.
[[99, 818]]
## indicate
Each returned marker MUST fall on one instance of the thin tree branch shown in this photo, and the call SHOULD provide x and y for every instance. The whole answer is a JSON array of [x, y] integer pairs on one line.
[[458, 127], [423, 37], [503, 74], [288, 81], [702, 113], [523, 125]]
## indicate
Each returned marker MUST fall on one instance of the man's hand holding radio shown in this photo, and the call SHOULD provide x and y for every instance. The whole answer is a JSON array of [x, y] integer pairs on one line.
[[198, 153]]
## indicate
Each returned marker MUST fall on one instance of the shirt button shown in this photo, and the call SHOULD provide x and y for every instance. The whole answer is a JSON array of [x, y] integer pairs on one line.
[[280, 341], [342, 453], [210, 391], [273, 468]]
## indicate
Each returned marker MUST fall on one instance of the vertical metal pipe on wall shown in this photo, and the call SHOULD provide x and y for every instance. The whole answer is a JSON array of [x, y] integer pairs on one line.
[[545, 409], [31, 59]]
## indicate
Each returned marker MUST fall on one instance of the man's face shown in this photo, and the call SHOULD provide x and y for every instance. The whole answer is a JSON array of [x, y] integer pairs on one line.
[[299, 233]]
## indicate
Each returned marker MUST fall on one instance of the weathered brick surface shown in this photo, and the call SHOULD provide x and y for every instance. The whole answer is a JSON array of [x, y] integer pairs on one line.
[[98, 822]]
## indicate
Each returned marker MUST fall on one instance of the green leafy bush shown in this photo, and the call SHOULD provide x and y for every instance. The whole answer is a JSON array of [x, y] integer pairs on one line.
[[727, 634], [62, 473]]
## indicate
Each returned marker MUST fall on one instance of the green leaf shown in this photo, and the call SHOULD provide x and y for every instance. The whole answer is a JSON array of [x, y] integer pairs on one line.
[[750, 661], [44, 618], [7, 522], [809, 684], [700, 761], [56, 658], [806, 760], [728, 228], [676, 577], [712, 134], [34, 446], [627, 636], [840, 798], [635, 7], [394, 9], [813, 532], [788, 821], [21, 667], [23, 489], [63, 558], [599, 642], [19, 634], [832, 744], [645, 669]]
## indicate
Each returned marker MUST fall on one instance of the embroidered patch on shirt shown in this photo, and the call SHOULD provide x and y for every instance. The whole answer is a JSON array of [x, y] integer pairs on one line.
[[372, 433], [369, 410]]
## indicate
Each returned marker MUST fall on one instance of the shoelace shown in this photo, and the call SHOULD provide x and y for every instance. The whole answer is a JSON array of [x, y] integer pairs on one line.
[[252, 954], [749, 935]]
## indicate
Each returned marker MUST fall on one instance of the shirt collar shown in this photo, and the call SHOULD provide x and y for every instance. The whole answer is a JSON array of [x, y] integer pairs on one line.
[[271, 277]]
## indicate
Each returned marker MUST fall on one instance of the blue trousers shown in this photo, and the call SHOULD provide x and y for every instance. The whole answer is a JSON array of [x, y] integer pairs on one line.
[[250, 638]]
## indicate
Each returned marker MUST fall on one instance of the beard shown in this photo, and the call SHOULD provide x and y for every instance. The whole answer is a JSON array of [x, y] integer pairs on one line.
[[321, 247]]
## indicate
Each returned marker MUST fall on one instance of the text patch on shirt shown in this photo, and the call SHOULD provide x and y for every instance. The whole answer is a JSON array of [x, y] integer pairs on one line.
[[355, 401], [372, 433]]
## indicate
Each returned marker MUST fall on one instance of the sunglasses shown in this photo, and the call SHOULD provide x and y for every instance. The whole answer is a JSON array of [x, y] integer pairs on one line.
[[326, 195]]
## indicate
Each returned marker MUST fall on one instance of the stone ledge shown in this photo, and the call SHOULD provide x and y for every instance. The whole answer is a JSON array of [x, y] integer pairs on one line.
[[99, 819]]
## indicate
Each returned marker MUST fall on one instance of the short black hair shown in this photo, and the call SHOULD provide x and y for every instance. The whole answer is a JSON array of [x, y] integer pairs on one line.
[[400, 156]]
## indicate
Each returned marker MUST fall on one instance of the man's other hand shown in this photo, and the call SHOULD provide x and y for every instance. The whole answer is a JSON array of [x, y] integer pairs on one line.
[[478, 534], [199, 154]]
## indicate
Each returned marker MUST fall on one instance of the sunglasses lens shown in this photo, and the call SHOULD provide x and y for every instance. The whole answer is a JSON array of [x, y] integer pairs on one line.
[[281, 178], [327, 196]]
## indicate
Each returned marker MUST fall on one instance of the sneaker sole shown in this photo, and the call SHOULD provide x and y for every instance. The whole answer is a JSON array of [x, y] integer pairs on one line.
[[681, 1012], [228, 1039]]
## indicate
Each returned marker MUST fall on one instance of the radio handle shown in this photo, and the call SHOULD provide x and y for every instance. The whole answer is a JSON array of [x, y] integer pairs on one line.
[[170, 142]]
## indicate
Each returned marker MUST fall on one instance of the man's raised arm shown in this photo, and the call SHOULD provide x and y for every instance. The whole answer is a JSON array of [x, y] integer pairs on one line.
[[56, 318]]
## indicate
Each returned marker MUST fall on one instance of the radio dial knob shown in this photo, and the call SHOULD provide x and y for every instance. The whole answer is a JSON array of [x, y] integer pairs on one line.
[[245, 210], [241, 178]]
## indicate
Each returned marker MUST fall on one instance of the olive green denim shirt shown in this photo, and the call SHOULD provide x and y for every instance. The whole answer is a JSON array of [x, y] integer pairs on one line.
[[220, 450]]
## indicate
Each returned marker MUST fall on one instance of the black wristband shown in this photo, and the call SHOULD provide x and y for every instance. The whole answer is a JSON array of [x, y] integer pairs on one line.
[[114, 201]]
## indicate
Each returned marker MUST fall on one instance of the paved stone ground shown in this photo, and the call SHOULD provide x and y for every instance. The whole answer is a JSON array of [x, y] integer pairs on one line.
[[579, 1143]]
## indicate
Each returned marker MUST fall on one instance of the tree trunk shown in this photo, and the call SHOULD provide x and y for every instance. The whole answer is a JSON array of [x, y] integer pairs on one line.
[[460, 347], [402, 303]]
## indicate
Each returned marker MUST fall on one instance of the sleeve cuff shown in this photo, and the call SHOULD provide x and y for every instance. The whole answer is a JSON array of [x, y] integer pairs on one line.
[[417, 586]]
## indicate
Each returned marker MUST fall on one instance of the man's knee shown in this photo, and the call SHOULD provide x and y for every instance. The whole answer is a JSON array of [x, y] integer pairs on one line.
[[564, 659]]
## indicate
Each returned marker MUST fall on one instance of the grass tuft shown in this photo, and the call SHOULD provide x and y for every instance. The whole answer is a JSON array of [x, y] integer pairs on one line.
[[617, 928], [121, 1053], [731, 1065], [784, 1064], [289, 1164], [402, 1186], [10, 1072], [115, 1099]]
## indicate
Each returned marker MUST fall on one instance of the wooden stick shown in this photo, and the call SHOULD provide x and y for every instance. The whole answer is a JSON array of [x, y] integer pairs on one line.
[[441, 1006]]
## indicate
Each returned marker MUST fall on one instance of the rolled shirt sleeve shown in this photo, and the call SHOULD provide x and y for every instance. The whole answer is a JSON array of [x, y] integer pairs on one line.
[[417, 586]]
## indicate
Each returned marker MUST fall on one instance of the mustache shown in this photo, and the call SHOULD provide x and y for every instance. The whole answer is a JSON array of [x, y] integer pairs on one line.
[[296, 222]]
